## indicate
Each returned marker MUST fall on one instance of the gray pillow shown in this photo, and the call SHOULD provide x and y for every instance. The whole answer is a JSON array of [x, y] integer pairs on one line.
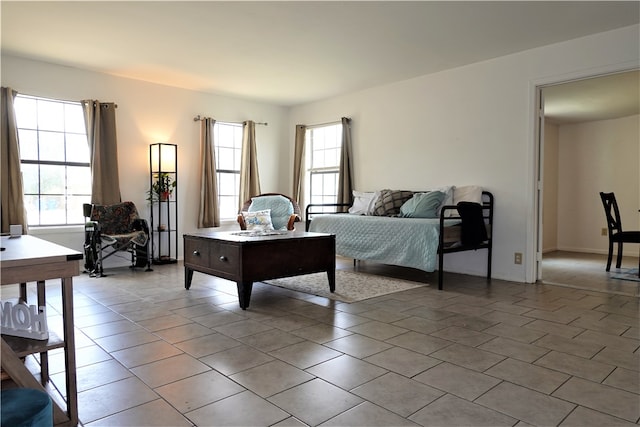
[[390, 201], [422, 205]]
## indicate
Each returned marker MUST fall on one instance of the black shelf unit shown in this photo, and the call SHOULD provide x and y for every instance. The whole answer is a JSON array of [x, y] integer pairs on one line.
[[163, 163]]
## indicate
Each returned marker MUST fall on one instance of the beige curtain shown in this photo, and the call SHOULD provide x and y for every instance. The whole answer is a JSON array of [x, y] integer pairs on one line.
[[209, 212], [298, 165], [100, 121], [345, 176], [11, 192], [249, 177]]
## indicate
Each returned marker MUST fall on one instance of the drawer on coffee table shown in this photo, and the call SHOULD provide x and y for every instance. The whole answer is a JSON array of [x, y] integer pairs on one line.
[[224, 257], [196, 252]]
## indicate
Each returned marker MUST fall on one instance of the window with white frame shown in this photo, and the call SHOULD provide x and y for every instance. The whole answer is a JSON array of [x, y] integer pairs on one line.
[[324, 144], [228, 151], [54, 160]]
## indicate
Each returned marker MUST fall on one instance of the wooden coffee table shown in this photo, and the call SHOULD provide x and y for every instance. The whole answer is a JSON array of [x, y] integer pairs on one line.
[[244, 257]]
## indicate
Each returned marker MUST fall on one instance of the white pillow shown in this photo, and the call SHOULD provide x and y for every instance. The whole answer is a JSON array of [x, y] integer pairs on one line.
[[258, 220], [363, 202], [468, 193]]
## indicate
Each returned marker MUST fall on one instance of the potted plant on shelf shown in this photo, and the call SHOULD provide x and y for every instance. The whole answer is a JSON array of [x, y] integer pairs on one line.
[[162, 188]]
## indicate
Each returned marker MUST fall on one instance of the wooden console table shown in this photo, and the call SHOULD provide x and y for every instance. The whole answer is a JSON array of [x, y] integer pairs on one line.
[[29, 259], [245, 258]]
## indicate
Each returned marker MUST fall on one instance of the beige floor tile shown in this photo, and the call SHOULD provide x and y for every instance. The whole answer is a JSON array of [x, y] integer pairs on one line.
[[271, 340], [421, 343], [515, 333], [398, 394], [367, 414], [564, 345], [468, 357], [377, 330], [384, 315], [184, 333], [305, 354], [402, 361], [525, 404], [514, 349], [321, 333], [456, 380], [208, 344], [168, 370], [236, 359], [242, 328], [315, 401], [164, 322], [527, 375], [111, 328], [221, 318], [128, 339], [94, 375], [145, 353], [576, 366], [566, 331], [271, 378], [603, 398], [420, 324], [624, 379], [157, 413], [232, 411], [346, 371], [290, 322], [585, 417], [463, 336], [609, 340], [109, 399], [199, 390], [358, 346], [623, 358], [453, 411]]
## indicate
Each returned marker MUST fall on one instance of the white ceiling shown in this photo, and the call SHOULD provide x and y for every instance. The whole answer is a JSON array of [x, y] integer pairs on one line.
[[288, 53]]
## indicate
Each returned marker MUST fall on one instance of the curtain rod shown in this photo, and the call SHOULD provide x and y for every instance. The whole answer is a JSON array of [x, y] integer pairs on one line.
[[198, 118]]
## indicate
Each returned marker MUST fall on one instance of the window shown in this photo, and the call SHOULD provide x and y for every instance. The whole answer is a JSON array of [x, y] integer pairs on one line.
[[324, 144], [228, 151], [54, 160]]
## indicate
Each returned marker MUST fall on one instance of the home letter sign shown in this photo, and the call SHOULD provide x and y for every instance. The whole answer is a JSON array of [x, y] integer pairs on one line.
[[21, 320]]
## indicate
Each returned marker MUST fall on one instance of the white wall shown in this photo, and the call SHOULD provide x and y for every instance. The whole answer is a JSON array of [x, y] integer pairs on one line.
[[149, 113], [470, 125], [597, 156], [550, 192]]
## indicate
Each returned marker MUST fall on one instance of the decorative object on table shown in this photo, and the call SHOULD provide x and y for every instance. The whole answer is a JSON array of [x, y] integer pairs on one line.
[[22, 320], [163, 202], [350, 286]]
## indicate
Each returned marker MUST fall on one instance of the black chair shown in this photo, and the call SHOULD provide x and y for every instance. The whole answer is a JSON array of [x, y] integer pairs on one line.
[[112, 229], [614, 224]]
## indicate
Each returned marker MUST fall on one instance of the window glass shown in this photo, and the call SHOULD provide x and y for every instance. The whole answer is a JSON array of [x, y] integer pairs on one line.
[[228, 150], [323, 163], [54, 157]]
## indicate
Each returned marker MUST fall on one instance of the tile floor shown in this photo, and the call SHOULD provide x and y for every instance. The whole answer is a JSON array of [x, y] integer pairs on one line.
[[150, 353]]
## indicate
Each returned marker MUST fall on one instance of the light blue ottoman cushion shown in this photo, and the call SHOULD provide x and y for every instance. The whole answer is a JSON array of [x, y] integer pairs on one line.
[[26, 407]]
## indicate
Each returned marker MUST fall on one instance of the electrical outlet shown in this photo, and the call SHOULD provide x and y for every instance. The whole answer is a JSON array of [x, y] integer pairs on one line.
[[604, 232], [517, 258]]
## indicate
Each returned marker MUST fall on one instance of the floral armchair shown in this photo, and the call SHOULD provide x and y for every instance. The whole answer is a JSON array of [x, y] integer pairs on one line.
[[112, 229]]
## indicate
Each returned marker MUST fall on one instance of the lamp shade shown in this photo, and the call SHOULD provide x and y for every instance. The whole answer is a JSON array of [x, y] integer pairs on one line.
[[163, 157]]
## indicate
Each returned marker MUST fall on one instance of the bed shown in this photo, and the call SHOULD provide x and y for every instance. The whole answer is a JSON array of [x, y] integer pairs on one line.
[[419, 243]]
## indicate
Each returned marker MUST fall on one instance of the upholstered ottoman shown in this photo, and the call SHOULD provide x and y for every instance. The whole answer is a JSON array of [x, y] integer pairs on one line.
[[26, 407]]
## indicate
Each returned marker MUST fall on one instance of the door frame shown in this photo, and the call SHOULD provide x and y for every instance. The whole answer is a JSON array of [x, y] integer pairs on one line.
[[533, 266]]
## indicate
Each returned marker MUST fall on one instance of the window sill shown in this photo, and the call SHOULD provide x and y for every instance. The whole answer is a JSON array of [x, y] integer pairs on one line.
[[44, 230]]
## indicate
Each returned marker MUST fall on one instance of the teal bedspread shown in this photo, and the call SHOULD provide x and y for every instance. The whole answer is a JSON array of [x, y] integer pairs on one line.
[[408, 242]]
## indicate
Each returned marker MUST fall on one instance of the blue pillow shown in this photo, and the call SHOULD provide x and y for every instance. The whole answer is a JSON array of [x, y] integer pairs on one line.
[[422, 205], [281, 209]]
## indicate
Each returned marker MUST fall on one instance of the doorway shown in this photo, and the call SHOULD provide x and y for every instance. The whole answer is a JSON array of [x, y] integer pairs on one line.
[[583, 126]]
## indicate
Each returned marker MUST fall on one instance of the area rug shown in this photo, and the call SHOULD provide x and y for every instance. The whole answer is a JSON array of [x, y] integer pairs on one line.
[[627, 274], [350, 286]]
